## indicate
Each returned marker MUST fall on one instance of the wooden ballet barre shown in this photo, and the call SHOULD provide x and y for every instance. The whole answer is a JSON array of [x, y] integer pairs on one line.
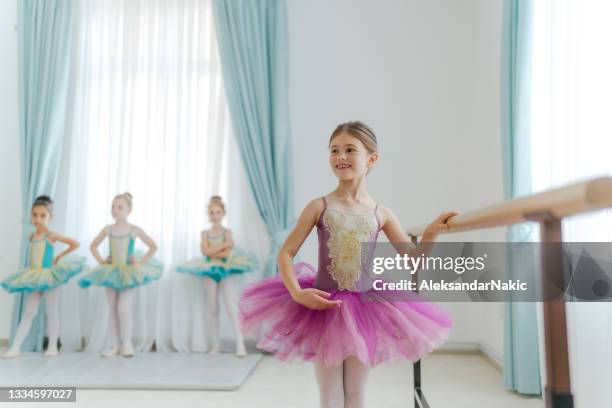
[[560, 202], [548, 209]]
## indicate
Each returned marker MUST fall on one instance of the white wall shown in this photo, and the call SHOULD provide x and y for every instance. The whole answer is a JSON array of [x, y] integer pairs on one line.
[[425, 75], [10, 195]]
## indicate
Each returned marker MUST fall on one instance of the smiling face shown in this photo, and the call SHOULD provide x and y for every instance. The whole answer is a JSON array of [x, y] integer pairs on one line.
[[215, 213], [349, 158], [40, 216], [120, 209]]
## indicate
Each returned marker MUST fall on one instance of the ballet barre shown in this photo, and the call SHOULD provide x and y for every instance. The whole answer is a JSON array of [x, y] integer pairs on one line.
[[548, 209]]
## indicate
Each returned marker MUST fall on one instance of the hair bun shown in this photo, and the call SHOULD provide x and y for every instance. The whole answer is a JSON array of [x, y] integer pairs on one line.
[[43, 199], [127, 197], [216, 200]]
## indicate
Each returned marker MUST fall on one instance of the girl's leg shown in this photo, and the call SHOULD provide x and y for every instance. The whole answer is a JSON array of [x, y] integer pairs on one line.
[[126, 321], [51, 301], [355, 376], [31, 309], [111, 296], [212, 296], [331, 391], [232, 311]]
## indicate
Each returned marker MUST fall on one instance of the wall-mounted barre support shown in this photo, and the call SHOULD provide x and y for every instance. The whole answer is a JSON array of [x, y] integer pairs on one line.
[[548, 209]]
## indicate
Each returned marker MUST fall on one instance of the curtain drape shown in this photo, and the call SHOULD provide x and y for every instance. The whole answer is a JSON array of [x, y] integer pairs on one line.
[[253, 44], [44, 39], [521, 345], [571, 89], [150, 117]]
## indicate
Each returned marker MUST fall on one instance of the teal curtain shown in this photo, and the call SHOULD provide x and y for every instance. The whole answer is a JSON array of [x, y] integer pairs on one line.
[[252, 37], [44, 50], [521, 355]]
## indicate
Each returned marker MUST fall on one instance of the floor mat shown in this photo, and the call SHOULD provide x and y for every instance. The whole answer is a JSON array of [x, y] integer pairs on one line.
[[198, 371]]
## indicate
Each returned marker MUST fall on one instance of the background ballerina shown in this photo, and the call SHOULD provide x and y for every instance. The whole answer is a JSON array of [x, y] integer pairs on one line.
[[42, 278], [221, 259], [122, 272]]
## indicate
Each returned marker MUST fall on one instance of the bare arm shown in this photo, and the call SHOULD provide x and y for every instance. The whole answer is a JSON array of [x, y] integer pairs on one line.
[[96, 243], [229, 239], [72, 245], [211, 250], [310, 297], [139, 232], [227, 246], [400, 240]]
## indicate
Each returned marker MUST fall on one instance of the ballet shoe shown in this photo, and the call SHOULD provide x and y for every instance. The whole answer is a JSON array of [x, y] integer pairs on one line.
[[10, 354], [240, 350], [127, 350], [215, 347], [51, 352], [111, 352]]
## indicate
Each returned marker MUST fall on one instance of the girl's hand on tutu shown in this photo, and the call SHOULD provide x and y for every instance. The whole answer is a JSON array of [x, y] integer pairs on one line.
[[439, 224], [314, 298], [136, 263], [56, 260]]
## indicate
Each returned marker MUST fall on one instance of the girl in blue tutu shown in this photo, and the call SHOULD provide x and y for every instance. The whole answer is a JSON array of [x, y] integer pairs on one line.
[[221, 259], [121, 272], [45, 273]]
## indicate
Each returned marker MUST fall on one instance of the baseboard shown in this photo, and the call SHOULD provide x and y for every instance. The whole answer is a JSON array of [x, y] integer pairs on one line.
[[496, 359], [493, 357]]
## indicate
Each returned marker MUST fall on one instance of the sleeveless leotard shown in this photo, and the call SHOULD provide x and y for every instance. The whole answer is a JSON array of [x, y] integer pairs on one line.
[[372, 330]]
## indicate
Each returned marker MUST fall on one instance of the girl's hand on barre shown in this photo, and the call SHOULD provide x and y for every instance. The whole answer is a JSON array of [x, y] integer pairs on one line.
[[439, 224]]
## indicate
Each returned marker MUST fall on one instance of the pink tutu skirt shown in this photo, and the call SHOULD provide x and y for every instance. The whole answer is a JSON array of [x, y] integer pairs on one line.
[[372, 330]]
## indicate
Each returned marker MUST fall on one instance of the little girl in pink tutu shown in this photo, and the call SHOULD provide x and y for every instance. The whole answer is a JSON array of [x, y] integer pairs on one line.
[[321, 316]]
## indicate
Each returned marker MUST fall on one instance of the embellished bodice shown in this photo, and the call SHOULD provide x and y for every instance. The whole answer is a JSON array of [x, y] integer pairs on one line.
[[215, 239], [41, 253], [121, 247], [340, 236]]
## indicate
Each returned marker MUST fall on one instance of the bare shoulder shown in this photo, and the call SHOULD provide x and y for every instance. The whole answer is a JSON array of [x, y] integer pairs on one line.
[[385, 214], [315, 203], [136, 230], [104, 232], [52, 236], [313, 209]]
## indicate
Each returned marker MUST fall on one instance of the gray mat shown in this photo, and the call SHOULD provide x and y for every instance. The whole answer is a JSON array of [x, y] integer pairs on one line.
[[195, 371]]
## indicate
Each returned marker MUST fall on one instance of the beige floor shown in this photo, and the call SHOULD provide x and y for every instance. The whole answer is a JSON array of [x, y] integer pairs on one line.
[[449, 381]]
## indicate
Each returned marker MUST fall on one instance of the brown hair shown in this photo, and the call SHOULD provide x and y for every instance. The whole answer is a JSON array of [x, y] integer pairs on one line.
[[361, 131], [45, 201], [216, 200], [127, 197]]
